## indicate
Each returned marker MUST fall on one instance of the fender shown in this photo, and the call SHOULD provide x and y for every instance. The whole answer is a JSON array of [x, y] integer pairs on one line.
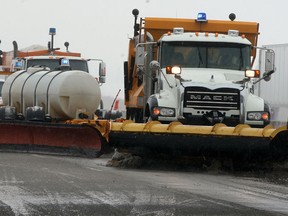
[[151, 102]]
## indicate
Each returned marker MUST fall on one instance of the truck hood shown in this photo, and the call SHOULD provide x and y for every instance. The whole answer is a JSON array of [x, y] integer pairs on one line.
[[210, 76]]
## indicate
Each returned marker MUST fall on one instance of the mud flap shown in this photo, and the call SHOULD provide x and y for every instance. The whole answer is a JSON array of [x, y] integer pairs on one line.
[[69, 139]]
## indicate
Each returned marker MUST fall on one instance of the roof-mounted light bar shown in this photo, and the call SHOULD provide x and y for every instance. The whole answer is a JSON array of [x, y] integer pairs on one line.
[[233, 33], [178, 30], [64, 62], [201, 17], [52, 31]]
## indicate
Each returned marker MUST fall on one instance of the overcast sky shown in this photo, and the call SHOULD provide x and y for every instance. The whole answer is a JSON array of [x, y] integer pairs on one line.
[[101, 28]]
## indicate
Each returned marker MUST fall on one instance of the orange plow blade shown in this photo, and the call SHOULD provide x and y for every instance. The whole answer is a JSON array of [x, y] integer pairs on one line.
[[80, 139]]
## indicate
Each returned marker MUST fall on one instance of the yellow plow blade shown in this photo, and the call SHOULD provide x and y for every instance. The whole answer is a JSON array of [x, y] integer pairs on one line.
[[193, 140]]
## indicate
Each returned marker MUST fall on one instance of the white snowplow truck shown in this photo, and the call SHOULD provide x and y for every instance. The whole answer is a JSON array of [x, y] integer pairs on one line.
[[49, 58], [197, 71]]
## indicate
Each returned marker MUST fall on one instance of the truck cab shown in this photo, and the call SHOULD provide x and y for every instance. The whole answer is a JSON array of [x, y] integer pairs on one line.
[[200, 80], [51, 62]]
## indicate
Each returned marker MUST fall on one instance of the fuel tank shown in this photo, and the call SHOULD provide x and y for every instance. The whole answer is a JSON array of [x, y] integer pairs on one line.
[[62, 94]]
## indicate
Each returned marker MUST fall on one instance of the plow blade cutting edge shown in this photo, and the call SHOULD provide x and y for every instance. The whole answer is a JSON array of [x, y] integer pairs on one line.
[[240, 142], [80, 139]]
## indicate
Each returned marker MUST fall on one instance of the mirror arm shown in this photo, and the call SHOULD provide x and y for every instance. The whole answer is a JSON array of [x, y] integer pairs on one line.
[[269, 73]]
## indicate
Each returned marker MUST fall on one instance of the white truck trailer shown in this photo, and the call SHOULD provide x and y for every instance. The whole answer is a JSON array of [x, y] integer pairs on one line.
[[275, 92]]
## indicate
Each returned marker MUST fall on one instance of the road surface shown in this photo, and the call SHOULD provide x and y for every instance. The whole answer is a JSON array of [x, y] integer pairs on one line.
[[38, 184]]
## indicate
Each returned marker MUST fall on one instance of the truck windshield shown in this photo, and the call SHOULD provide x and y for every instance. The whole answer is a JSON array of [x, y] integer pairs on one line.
[[53, 64], [206, 55]]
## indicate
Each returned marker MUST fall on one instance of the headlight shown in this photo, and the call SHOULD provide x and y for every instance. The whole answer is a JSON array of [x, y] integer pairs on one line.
[[173, 70], [258, 116], [163, 111], [252, 73]]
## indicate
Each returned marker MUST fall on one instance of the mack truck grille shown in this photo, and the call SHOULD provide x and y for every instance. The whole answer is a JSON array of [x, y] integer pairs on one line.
[[218, 99]]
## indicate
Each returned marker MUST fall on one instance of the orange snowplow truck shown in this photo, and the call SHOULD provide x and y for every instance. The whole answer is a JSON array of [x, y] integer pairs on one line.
[[192, 81]]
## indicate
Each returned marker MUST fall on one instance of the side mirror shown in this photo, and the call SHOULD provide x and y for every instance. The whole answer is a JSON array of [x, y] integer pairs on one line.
[[102, 72], [140, 54], [154, 66], [269, 64], [267, 76]]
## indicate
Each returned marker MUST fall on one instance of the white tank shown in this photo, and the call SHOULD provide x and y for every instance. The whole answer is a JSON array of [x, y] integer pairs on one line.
[[62, 94]]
